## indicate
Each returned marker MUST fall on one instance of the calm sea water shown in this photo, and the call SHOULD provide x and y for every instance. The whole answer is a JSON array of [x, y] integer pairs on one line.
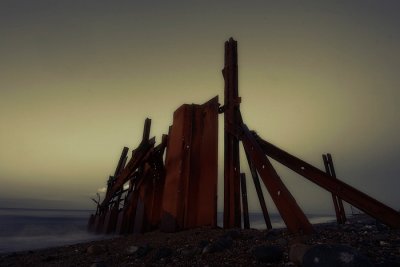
[[28, 229]]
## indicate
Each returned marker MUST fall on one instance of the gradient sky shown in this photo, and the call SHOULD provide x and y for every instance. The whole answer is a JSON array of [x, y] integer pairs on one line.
[[78, 78]]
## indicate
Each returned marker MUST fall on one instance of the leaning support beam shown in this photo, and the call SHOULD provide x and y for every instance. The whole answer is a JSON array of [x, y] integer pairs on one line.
[[340, 202], [246, 221], [118, 169], [121, 162], [346, 192], [139, 155], [260, 195], [334, 197], [146, 129], [287, 206], [138, 158], [232, 213]]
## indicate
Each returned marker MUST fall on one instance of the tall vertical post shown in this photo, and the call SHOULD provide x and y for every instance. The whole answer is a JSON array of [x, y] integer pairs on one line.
[[146, 130], [339, 200], [232, 211], [246, 221], [334, 197]]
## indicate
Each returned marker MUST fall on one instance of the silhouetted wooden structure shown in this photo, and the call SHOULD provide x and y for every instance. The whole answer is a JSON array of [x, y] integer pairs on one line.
[[180, 192]]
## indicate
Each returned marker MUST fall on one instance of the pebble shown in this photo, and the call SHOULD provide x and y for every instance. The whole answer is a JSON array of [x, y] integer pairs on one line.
[[368, 227], [162, 253], [49, 258], [219, 245], [282, 242], [234, 234], [95, 250], [296, 253], [131, 249], [272, 235], [380, 237], [325, 255], [189, 251], [98, 264], [203, 243], [143, 250], [383, 243], [267, 254]]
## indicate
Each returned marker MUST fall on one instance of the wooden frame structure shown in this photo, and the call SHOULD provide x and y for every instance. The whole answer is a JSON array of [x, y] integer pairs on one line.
[[144, 194]]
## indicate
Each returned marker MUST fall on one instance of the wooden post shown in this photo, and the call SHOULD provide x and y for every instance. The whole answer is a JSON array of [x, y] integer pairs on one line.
[[334, 197], [146, 130], [121, 162], [344, 191], [232, 213], [339, 200], [138, 157], [287, 206], [260, 195], [246, 221]]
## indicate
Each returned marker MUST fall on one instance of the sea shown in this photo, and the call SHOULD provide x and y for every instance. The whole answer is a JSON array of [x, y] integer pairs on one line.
[[31, 229]]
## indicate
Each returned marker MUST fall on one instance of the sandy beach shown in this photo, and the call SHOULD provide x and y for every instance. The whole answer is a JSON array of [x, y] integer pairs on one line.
[[368, 239]]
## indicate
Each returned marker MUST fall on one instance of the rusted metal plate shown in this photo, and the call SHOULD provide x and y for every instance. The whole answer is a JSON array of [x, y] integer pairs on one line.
[[156, 204], [190, 190], [157, 182], [129, 212], [201, 191], [173, 198], [139, 217], [110, 221], [232, 213], [287, 206], [145, 202], [349, 194], [121, 222], [99, 222]]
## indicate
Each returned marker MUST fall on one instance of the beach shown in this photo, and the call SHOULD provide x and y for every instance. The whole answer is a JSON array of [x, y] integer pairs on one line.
[[364, 238]]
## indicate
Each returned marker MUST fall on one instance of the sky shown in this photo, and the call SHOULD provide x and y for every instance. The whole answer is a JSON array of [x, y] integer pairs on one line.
[[78, 79]]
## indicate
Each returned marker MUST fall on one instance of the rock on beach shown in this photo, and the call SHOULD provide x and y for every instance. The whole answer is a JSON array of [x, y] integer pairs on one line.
[[335, 255]]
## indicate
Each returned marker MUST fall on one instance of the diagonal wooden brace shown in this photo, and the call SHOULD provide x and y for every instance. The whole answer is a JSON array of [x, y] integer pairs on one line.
[[287, 206], [334, 197], [344, 191], [259, 192], [340, 202]]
